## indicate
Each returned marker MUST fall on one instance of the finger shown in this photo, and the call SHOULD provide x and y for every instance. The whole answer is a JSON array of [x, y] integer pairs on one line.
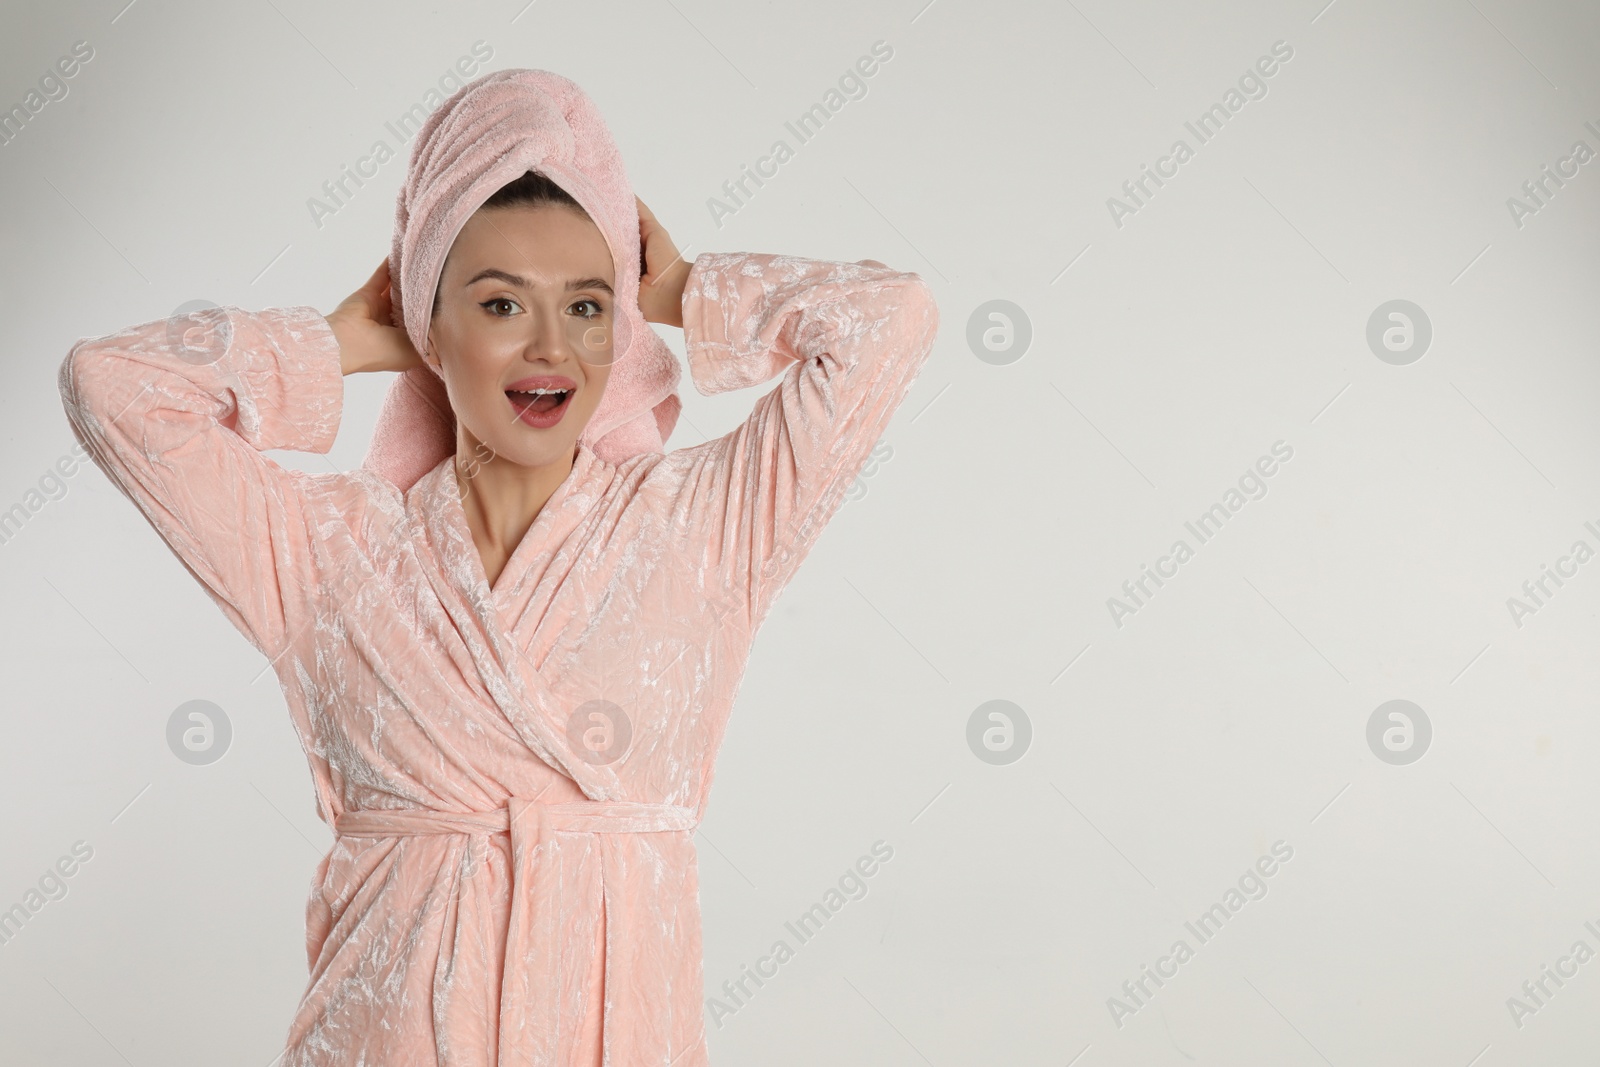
[[379, 279]]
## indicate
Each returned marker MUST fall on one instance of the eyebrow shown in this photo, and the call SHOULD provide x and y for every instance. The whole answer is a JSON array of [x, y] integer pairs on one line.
[[522, 283]]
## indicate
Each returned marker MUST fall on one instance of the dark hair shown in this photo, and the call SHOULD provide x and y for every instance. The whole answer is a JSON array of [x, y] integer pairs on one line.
[[531, 188]]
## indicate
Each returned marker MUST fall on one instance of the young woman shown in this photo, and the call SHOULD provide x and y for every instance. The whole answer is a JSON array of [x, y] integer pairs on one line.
[[512, 676]]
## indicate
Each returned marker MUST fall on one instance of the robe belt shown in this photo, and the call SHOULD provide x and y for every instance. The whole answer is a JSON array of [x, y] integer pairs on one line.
[[529, 1000]]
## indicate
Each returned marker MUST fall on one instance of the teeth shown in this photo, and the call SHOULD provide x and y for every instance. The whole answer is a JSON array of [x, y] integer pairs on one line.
[[539, 392]]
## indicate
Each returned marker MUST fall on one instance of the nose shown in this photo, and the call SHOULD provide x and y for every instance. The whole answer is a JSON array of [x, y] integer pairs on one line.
[[549, 338]]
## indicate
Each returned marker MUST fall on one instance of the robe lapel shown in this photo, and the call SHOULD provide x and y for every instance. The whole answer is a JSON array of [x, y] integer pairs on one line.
[[455, 570]]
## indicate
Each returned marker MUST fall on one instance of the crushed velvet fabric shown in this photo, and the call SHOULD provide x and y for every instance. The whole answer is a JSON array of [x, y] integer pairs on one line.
[[513, 879]]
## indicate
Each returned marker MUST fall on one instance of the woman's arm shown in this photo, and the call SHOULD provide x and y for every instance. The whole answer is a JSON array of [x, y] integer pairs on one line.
[[849, 339], [180, 426]]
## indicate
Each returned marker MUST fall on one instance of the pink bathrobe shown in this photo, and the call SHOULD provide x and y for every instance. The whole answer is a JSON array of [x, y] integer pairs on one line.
[[513, 774]]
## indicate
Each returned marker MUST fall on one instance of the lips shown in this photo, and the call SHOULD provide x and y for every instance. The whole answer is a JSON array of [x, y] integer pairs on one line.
[[540, 401], [543, 381]]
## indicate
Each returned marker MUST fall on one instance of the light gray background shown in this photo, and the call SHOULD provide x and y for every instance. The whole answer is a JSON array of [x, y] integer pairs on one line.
[[1227, 314]]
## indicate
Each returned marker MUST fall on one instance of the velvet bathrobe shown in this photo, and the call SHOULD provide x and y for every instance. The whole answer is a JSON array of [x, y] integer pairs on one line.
[[513, 774]]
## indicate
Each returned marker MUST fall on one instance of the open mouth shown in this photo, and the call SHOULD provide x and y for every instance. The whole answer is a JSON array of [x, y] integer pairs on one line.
[[541, 404]]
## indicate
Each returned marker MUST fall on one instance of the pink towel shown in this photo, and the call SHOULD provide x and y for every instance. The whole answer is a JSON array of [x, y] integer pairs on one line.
[[488, 133]]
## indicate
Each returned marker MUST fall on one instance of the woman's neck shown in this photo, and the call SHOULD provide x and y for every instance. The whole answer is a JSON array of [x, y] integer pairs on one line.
[[502, 499]]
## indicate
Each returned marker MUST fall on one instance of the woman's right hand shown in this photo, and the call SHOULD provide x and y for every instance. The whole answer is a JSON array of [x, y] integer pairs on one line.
[[367, 342]]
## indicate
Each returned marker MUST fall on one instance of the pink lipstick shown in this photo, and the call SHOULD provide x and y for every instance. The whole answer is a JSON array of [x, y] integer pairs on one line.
[[541, 400]]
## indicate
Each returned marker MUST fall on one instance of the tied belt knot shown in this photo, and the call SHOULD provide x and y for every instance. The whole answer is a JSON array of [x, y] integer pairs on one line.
[[528, 1000]]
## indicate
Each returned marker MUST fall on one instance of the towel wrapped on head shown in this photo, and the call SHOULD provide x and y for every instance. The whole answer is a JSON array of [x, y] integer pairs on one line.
[[487, 134]]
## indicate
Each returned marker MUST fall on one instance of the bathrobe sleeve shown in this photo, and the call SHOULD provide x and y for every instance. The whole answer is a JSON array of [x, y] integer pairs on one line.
[[179, 420], [849, 340]]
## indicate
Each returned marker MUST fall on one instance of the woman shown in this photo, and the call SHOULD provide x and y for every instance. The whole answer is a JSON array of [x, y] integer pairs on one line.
[[511, 673]]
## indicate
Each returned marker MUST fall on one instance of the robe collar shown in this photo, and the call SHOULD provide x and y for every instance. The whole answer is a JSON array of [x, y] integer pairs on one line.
[[437, 501], [455, 570]]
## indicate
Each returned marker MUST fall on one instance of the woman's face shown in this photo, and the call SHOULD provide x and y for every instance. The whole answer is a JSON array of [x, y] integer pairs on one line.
[[526, 301]]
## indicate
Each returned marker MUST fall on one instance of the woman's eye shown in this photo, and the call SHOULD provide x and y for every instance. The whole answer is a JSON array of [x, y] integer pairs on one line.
[[488, 304], [598, 310]]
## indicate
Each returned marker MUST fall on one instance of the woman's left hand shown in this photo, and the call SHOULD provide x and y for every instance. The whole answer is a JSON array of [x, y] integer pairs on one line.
[[664, 272]]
